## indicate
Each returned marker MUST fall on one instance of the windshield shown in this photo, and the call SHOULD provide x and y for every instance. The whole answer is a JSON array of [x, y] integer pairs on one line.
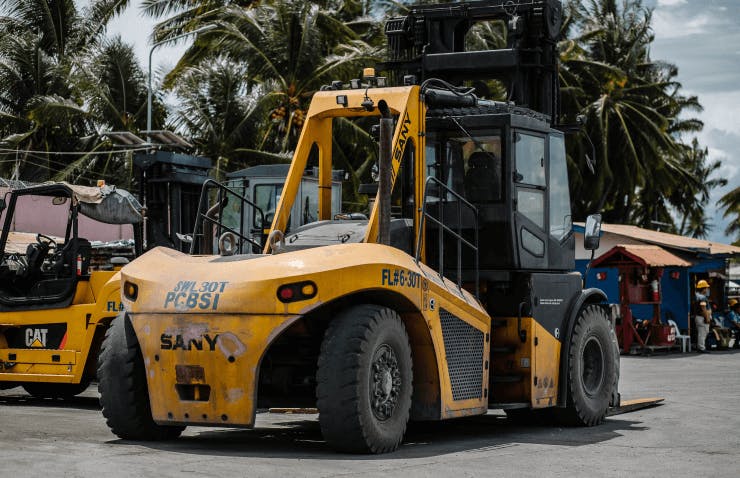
[[35, 214], [266, 196], [471, 166]]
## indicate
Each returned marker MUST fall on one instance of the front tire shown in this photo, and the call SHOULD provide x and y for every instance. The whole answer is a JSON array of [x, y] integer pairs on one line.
[[124, 395], [592, 369], [365, 381]]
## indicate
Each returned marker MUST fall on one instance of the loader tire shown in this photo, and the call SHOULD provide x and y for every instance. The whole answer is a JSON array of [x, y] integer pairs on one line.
[[55, 390], [365, 381], [592, 369], [124, 395]]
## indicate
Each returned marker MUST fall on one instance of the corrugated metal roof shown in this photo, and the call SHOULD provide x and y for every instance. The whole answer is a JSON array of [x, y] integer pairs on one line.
[[671, 241], [652, 256]]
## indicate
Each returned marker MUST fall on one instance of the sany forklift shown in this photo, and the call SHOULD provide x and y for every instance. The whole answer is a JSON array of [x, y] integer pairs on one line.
[[455, 297]]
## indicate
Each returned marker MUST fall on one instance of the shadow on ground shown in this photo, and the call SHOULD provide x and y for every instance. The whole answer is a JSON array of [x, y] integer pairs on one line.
[[10, 398], [301, 439]]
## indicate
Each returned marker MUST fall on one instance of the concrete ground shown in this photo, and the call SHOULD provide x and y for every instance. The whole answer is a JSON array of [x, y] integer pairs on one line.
[[695, 433]]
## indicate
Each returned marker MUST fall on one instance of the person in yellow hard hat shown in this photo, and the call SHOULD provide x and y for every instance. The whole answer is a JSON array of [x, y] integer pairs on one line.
[[702, 314], [733, 319]]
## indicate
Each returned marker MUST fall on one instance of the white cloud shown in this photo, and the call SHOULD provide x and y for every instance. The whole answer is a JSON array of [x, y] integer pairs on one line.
[[668, 24], [721, 111], [670, 3]]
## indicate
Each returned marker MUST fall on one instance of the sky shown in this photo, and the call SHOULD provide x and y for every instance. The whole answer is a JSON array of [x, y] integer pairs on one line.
[[701, 37]]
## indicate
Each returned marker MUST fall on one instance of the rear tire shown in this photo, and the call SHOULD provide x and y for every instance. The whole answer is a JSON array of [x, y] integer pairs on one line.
[[55, 390], [592, 369], [365, 381], [124, 395]]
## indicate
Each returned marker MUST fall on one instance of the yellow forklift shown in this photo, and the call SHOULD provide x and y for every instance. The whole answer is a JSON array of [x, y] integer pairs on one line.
[[456, 296], [53, 306], [55, 300]]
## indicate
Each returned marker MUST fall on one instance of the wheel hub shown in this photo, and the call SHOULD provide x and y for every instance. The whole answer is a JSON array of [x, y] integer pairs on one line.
[[593, 366], [385, 382]]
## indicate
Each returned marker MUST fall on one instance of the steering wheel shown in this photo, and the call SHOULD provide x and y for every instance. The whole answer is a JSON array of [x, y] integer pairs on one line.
[[36, 254], [46, 241]]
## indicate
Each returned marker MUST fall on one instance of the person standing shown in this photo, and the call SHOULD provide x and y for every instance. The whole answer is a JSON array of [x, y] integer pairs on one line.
[[733, 320], [702, 315]]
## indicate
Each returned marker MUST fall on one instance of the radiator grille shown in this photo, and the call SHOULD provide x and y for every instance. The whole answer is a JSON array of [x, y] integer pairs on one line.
[[464, 349]]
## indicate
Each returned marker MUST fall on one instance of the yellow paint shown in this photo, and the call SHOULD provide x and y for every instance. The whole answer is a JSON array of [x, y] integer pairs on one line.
[[546, 369], [402, 101], [537, 365], [37, 364], [249, 317]]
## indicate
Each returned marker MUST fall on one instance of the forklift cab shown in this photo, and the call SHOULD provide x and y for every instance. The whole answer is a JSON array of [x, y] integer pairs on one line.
[[512, 167], [41, 269], [235, 216]]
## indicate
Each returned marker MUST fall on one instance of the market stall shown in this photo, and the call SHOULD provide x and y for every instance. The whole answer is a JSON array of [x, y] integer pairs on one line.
[[640, 269]]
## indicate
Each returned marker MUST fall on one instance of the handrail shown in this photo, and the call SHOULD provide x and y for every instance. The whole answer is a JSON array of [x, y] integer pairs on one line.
[[443, 188], [212, 183]]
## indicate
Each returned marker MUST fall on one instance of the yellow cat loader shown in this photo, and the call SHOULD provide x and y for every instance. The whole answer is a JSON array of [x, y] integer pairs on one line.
[[454, 298], [53, 307]]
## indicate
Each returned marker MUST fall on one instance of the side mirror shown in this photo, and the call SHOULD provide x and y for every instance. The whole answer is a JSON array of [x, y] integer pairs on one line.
[[592, 232]]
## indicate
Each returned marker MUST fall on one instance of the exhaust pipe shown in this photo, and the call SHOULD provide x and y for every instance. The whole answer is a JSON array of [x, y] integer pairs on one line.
[[384, 170]]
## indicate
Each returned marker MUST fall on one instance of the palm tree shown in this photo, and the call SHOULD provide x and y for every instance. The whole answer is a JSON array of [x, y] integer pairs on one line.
[[631, 103], [114, 87], [291, 49], [730, 202], [690, 198], [220, 115], [41, 108]]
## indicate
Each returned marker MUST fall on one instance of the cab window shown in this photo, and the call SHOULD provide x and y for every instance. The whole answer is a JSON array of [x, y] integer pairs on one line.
[[558, 192], [266, 196]]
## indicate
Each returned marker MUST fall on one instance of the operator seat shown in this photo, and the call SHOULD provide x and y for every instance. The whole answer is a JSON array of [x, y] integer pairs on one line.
[[35, 254], [483, 178]]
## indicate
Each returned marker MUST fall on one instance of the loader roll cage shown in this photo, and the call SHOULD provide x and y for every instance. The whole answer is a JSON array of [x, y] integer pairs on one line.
[[43, 273]]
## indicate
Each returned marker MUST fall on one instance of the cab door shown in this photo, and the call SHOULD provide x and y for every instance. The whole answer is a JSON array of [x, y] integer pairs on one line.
[[529, 198]]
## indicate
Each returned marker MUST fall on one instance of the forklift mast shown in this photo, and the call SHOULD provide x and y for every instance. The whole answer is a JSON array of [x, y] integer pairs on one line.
[[170, 183], [429, 42]]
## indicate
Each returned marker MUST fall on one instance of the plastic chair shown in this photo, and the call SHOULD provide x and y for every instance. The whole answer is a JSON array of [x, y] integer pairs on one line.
[[685, 339]]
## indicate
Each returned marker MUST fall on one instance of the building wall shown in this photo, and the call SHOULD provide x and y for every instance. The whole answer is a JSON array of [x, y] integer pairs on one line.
[[47, 220]]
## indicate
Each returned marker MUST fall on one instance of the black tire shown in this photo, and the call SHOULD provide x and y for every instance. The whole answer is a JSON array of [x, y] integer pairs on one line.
[[592, 369], [55, 390], [365, 351], [124, 395]]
